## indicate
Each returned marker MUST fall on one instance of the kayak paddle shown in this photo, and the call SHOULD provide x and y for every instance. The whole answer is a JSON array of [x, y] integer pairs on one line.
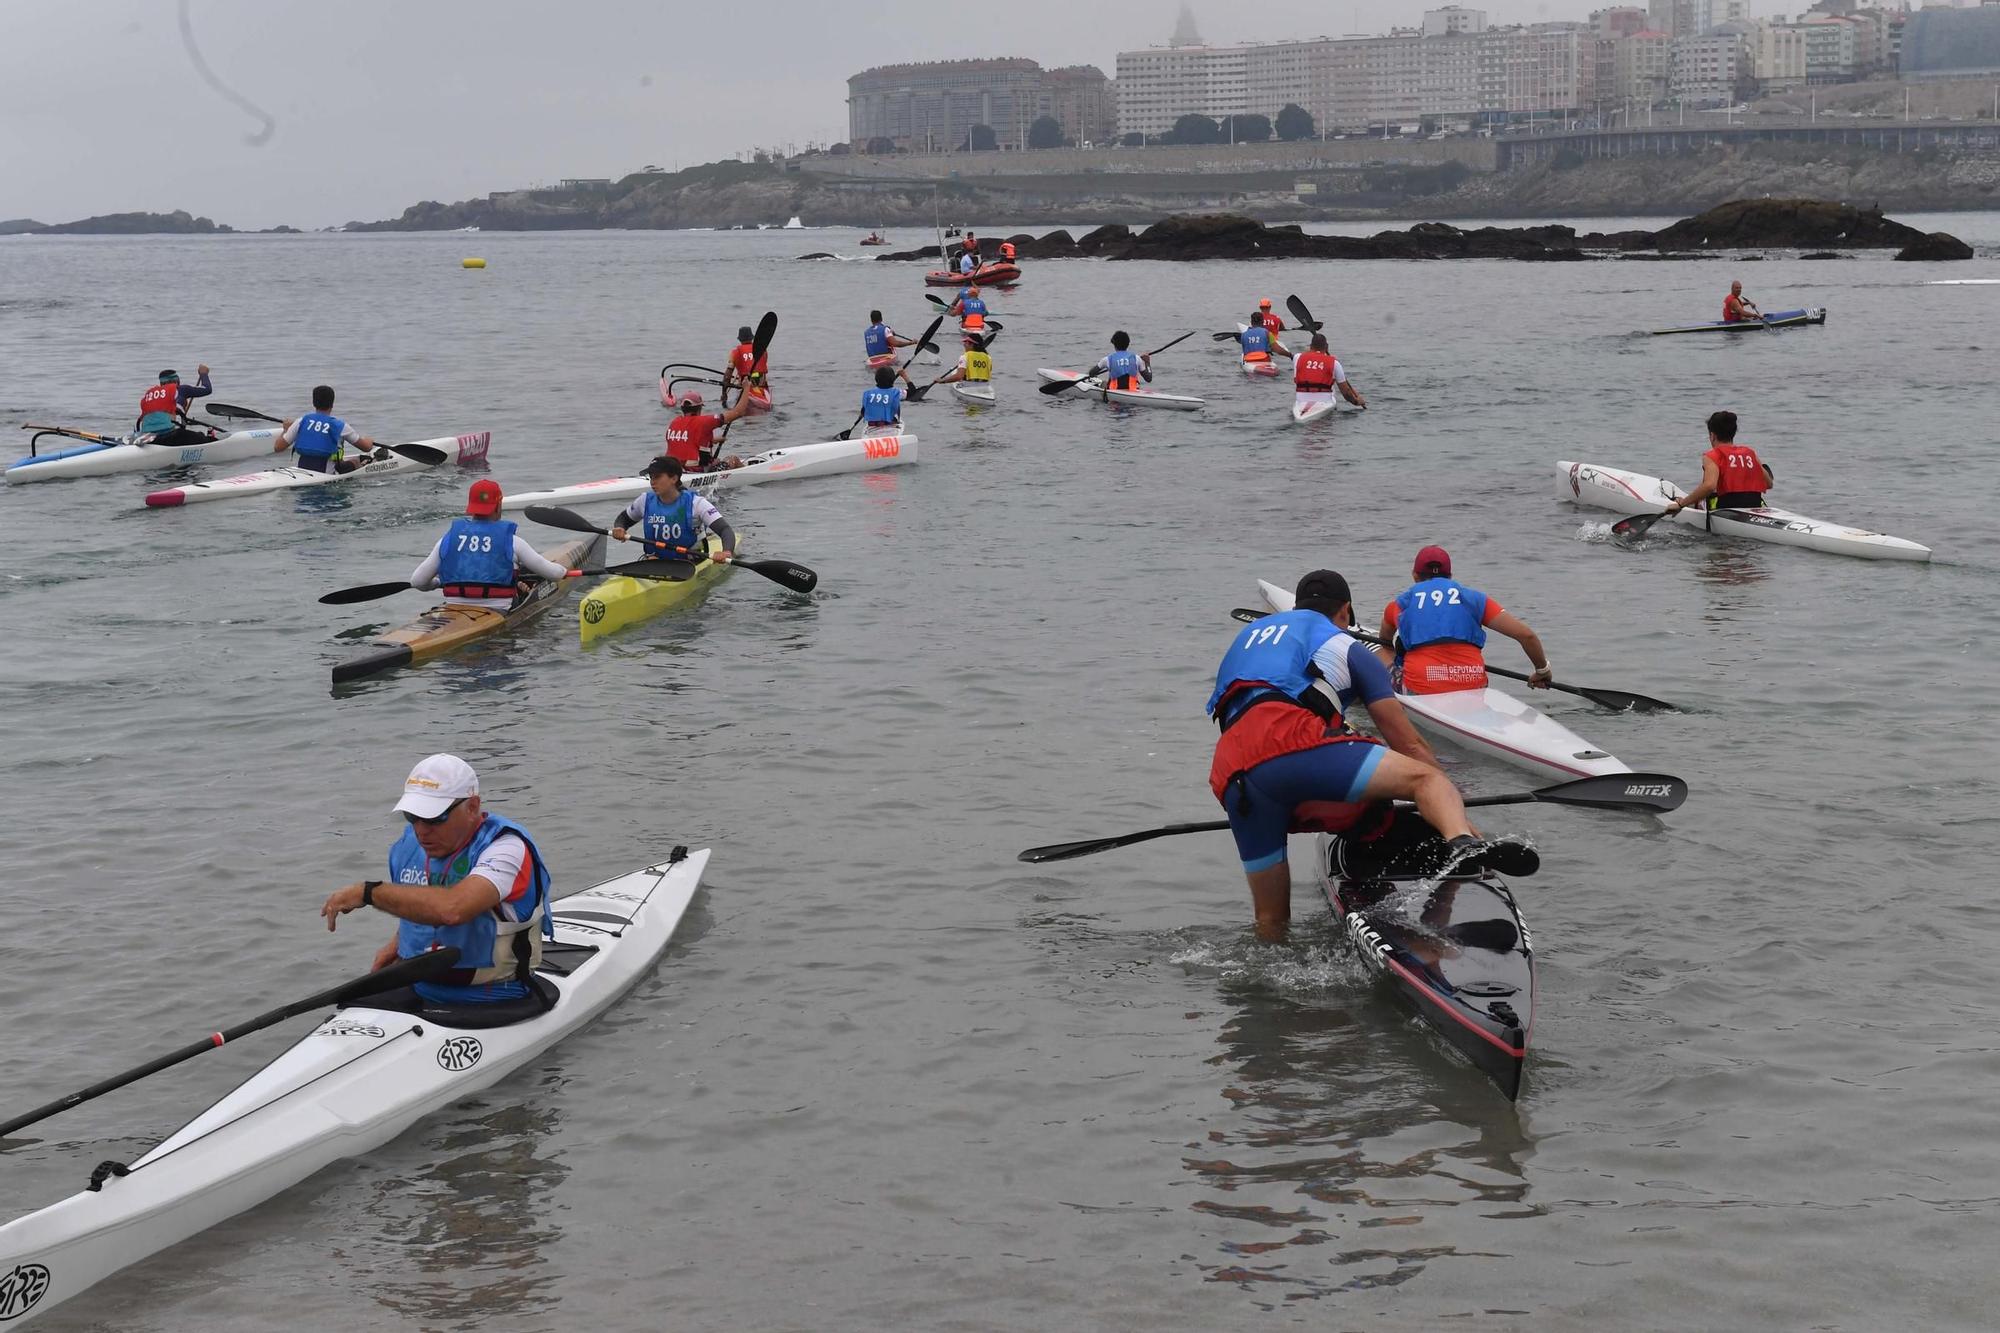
[[231, 413], [427, 454], [1064, 386], [928, 334], [642, 569], [1650, 792], [1225, 337], [1303, 315], [1617, 700], [916, 395], [1638, 525], [423, 967], [767, 329], [75, 434], [791, 574]]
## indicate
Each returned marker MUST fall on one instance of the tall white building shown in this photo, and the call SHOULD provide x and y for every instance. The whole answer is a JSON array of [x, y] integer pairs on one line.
[[1160, 84], [1453, 20]]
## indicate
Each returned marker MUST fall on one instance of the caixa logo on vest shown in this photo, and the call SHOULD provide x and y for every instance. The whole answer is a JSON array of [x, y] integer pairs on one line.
[[459, 1054], [22, 1290]]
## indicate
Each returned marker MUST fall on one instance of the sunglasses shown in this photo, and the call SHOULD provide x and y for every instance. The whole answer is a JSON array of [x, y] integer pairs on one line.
[[434, 820]]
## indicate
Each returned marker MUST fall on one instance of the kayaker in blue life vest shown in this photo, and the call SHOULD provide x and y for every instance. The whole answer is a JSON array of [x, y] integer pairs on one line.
[[163, 408], [461, 878], [1122, 367], [479, 560], [1435, 632], [1258, 344], [970, 309], [319, 435], [1287, 761], [882, 405], [881, 342], [674, 520]]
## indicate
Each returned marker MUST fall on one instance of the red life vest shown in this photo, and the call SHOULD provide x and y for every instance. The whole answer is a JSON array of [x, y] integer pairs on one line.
[[1007, 251], [1278, 727], [742, 360], [1313, 372], [161, 398], [690, 434], [1738, 470], [1271, 322], [1732, 309]]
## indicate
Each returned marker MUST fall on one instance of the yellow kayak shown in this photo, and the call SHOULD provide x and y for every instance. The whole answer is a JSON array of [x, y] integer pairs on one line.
[[624, 600]]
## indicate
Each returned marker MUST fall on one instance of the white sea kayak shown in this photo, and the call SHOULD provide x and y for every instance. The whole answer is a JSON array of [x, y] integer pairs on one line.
[[866, 454], [1310, 407], [980, 395], [1093, 390], [1633, 493], [1261, 369], [1494, 723], [359, 1079], [137, 453], [384, 462]]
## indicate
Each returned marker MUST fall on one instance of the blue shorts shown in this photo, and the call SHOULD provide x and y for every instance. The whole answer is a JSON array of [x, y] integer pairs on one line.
[[1261, 802]]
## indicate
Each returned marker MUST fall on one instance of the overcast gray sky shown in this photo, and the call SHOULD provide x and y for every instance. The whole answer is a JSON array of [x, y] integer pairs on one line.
[[381, 103]]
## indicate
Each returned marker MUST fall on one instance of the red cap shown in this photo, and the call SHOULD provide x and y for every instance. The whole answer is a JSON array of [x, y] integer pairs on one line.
[[1432, 555], [1264, 304], [484, 500], [687, 396]]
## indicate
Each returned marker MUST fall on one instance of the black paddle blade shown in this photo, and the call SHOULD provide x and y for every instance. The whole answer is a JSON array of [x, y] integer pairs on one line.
[[916, 395], [1247, 615], [228, 412], [1636, 526], [1655, 792], [1623, 700], [1225, 337], [794, 576], [1054, 387], [767, 329], [1069, 851], [666, 571], [1302, 315], [427, 454], [368, 592], [557, 517], [935, 299], [929, 347]]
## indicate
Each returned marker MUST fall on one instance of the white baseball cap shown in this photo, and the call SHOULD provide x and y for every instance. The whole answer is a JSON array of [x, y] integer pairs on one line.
[[435, 783]]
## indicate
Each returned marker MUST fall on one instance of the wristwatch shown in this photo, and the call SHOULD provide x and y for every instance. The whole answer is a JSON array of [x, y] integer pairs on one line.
[[368, 887]]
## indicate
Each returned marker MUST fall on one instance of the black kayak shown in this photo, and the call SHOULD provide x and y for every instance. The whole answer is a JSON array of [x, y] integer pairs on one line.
[[1462, 958]]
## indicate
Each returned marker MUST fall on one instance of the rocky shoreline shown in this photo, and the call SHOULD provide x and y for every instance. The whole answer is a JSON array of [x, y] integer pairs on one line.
[[1744, 224]]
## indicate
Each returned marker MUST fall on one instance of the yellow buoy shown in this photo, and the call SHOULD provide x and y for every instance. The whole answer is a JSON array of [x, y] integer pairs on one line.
[[472, 263]]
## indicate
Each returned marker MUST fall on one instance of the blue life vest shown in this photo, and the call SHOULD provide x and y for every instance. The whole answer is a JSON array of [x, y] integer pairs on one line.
[[476, 558], [671, 532], [1123, 365], [487, 970], [1256, 338], [882, 407], [876, 339], [1276, 653], [318, 435], [972, 305], [1440, 611]]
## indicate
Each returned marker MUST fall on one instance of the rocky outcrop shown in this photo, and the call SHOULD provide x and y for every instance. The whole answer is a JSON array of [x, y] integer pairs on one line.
[[138, 224], [1937, 245], [16, 226], [1745, 224]]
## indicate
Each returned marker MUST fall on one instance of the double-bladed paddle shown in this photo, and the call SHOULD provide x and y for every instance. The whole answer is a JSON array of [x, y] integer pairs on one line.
[[928, 334], [423, 967], [787, 572], [1638, 525], [670, 571], [1649, 792], [1619, 700], [1054, 387], [1303, 315]]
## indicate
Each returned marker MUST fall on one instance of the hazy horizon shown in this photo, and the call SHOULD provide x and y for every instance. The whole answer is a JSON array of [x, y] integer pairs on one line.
[[374, 106]]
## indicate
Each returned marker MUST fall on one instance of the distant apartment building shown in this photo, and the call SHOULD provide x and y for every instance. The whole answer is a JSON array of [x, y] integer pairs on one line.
[[1160, 84], [935, 105], [1950, 44], [1641, 70], [1454, 21], [1707, 70], [1832, 50], [1083, 102], [1776, 53], [1608, 25]]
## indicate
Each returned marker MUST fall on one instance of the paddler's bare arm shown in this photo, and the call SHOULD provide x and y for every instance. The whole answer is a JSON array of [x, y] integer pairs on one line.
[[1394, 725], [1710, 479], [1517, 629], [425, 904]]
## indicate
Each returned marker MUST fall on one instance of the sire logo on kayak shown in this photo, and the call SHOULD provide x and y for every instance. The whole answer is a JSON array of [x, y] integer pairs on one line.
[[22, 1290], [459, 1054], [1648, 789], [347, 1027], [885, 446]]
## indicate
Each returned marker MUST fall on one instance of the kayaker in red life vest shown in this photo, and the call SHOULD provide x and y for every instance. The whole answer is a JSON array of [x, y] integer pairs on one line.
[[459, 877], [744, 368], [1732, 476], [163, 408], [1288, 763], [1736, 307], [1266, 318], [691, 434], [1319, 371], [1438, 626], [1007, 251]]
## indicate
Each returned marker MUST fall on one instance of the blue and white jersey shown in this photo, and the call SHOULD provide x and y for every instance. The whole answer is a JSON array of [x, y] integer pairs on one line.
[[882, 407], [1291, 651]]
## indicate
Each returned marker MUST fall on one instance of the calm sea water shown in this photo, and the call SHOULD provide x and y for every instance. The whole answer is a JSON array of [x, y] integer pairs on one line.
[[887, 1077]]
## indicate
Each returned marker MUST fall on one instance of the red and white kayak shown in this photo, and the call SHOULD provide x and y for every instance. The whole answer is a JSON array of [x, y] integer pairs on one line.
[[1625, 492], [1266, 369], [1095, 391], [759, 399], [1495, 724], [1310, 407], [866, 454], [388, 460]]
